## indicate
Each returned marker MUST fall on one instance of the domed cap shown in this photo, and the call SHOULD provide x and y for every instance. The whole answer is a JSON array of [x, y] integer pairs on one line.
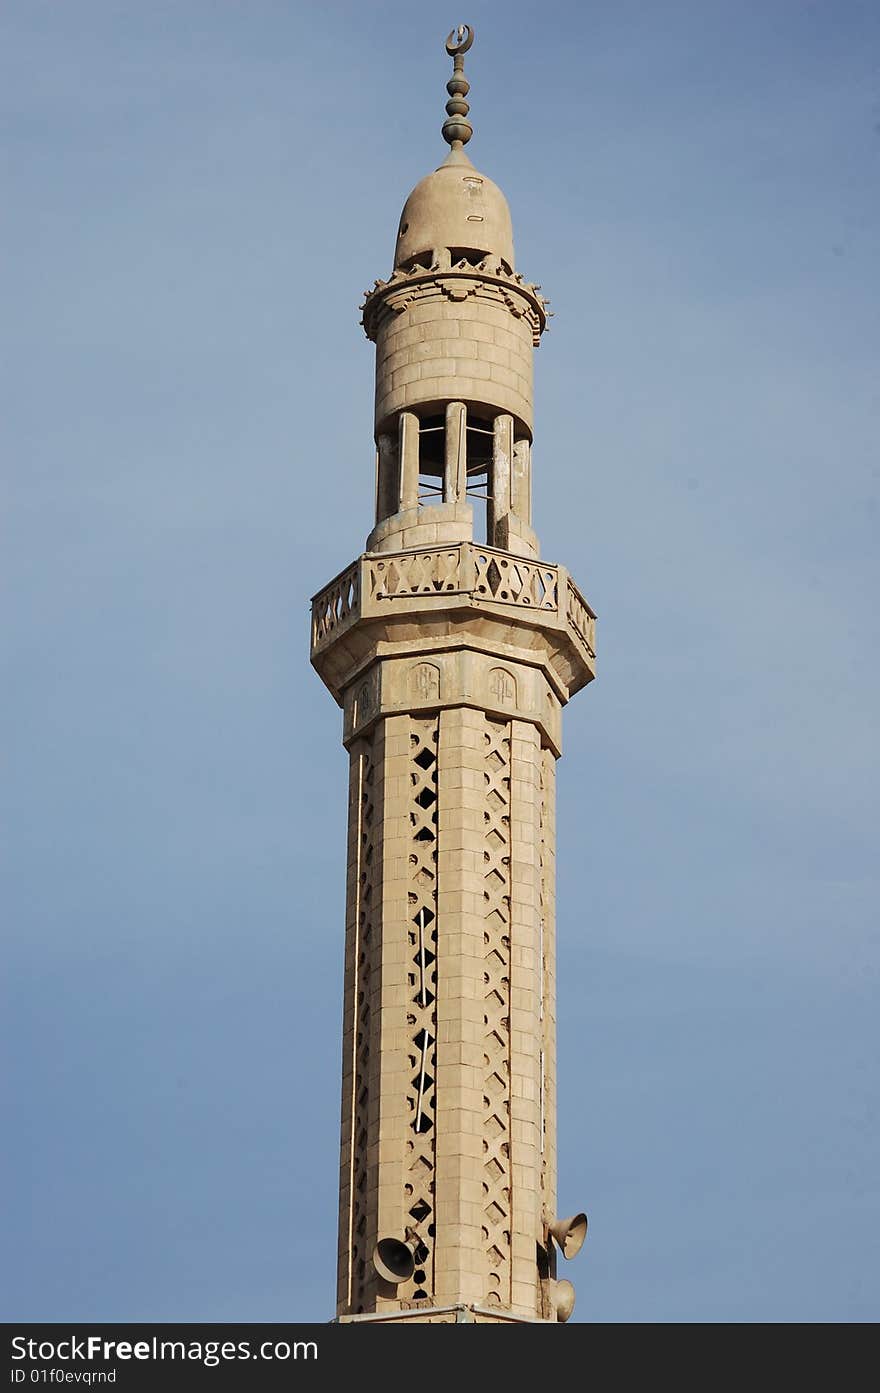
[[456, 207]]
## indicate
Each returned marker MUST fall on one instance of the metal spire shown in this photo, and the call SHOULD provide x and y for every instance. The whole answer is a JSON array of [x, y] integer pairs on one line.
[[457, 129]]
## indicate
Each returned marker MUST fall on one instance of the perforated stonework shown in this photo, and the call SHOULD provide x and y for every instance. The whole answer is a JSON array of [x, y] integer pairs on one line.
[[496, 1017], [337, 604], [421, 992], [361, 1278]]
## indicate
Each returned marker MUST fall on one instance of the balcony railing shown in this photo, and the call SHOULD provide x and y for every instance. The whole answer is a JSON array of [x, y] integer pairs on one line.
[[336, 606], [371, 585]]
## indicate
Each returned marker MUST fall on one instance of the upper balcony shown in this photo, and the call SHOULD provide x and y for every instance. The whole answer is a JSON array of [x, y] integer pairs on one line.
[[439, 594]]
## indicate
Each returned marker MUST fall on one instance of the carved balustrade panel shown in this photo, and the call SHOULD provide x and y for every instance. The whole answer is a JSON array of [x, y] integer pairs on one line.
[[581, 617], [336, 606], [415, 573], [510, 580]]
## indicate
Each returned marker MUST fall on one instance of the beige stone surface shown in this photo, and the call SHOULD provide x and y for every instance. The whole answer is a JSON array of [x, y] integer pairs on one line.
[[440, 597], [432, 349], [452, 655], [455, 206]]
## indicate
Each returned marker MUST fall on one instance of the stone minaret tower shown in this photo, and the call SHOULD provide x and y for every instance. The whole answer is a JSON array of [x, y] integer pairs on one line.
[[452, 648]]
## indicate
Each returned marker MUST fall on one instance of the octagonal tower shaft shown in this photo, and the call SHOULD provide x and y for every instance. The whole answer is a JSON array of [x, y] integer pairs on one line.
[[451, 652]]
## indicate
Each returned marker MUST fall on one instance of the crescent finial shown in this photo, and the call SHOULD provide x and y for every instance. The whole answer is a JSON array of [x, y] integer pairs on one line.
[[459, 40]]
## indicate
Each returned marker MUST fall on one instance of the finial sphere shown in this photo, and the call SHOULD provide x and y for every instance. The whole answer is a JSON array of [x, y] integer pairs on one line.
[[459, 40]]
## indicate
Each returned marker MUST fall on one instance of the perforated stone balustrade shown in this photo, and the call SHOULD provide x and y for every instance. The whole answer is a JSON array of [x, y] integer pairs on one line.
[[337, 605], [581, 617], [370, 587]]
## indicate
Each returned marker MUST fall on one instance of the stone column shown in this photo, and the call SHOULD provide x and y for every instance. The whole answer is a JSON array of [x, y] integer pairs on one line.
[[388, 477], [522, 481], [500, 481], [409, 460], [455, 469]]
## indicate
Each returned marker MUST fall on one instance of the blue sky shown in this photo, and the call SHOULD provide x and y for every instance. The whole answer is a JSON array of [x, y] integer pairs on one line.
[[196, 195]]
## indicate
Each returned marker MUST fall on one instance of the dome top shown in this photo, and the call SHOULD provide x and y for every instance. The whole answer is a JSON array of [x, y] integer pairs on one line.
[[458, 208]]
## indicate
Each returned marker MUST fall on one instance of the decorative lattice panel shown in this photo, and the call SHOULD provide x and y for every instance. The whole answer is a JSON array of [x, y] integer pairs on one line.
[[513, 581], [582, 618], [419, 1157], [416, 573], [366, 910], [336, 606], [496, 1012]]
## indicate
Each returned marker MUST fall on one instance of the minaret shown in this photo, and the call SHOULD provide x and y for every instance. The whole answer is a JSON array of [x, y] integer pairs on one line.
[[452, 648]]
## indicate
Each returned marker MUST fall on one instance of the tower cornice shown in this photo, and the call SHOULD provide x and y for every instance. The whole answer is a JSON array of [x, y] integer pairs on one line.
[[488, 279]]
